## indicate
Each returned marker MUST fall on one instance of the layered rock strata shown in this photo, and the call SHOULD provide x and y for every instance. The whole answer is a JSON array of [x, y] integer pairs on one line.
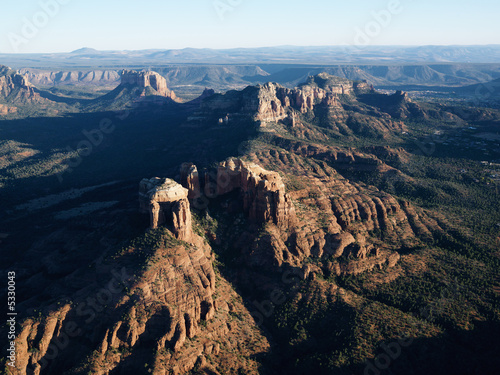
[[190, 179], [15, 88], [168, 314], [272, 102], [261, 192]]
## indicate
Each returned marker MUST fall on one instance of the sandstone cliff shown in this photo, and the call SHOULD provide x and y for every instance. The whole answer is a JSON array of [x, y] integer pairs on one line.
[[270, 102], [336, 85], [156, 305], [261, 193], [166, 202], [15, 88], [338, 224], [147, 79], [348, 228], [190, 179], [347, 107], [5, 109], [42, 78], [136, 89]]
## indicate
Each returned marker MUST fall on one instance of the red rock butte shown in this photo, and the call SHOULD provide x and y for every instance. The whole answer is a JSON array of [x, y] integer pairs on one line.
[[147, 79]]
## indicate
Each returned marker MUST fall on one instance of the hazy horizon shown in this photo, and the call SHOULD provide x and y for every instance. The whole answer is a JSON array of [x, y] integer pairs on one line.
[[259, 47], [58, 26]]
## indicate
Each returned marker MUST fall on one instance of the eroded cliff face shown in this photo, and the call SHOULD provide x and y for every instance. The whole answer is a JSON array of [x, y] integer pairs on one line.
[[347, 227], [167, 204], [145, 80], [261, 192], [344, 106], [5, 109], [53, 78], [337, 85], [16, 89], [190, 179], [155, 306], [272, 102], [341, 226]]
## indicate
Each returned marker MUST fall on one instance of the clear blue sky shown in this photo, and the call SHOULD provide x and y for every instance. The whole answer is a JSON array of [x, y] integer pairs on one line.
[[168, 24]]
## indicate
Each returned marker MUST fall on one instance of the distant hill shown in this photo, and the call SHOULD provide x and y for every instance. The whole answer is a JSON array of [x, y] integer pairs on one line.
[[489, 89], [85, 51]]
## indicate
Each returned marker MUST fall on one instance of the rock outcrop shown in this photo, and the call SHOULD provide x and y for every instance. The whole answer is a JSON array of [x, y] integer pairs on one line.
[[190, 180], [147, 79], [167, 204], [5, 109], [137, 89], [355, 227], [272, 102], [262, 193], [336, 85], [164, 313], [15, 88], [341, 231]]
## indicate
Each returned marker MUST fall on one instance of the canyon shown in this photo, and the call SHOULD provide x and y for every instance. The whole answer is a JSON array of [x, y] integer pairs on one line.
[[289, 230]]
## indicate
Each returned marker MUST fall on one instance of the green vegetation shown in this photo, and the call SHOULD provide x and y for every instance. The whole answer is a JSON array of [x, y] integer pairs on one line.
[[443, 293], [315, 333]]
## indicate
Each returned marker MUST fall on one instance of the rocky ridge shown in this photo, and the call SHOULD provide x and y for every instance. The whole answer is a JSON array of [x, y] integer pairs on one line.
[[337, 219], [136, 88], [262, 193], [272, 102], [76, 78], [158, 301], [348, 108], [339, 223]]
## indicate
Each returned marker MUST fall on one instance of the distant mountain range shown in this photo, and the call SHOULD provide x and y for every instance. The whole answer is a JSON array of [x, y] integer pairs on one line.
[[189, 71], [270, 55]]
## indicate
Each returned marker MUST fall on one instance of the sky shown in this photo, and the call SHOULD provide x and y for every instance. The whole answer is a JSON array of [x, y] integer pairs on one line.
[[46, 26]]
